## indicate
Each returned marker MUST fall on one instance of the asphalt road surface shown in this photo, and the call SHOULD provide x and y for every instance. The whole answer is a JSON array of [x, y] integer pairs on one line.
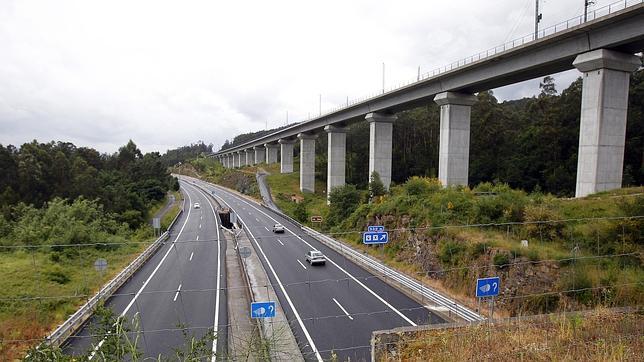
[[333, 308], [177, 288]]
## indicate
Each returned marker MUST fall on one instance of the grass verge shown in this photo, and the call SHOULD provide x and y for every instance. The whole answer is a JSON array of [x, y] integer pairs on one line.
[[600, 335]]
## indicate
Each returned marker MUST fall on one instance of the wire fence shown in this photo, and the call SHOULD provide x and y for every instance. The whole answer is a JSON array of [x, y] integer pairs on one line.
[[272, 236], [338, 281], [320, 318]]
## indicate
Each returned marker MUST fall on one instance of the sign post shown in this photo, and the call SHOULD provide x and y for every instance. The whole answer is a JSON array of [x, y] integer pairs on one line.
[[156, 224], [375, 237], [316, 219], [262, 310], [488, 288]]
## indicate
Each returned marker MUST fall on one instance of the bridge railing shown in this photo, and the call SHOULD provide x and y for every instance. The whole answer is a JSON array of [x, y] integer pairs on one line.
[[550, 30]]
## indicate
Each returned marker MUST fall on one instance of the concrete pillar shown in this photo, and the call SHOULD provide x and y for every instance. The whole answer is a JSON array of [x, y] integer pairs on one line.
[[380, 143], [307, 162], [271, 153], [260, 154], [235, 158], [230, 163], [286, 153], [250, 157], [454, 146], [602, 132], [242, 158], [336, 157]]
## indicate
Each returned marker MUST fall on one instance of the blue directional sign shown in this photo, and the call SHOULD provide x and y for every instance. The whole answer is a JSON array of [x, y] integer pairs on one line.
[[262, 310], [488, 287], [375, 228], [375, 237]]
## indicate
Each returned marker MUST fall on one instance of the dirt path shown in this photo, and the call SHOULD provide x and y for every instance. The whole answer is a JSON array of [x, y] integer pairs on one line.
[[264, 189], [165, 209]]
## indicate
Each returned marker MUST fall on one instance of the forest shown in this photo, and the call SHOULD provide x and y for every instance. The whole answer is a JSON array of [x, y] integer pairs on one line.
[[530, 143], [44, 181]]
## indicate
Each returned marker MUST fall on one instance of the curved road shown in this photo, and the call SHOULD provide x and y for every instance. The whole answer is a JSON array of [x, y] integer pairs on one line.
[[181, 285], [333, 308]]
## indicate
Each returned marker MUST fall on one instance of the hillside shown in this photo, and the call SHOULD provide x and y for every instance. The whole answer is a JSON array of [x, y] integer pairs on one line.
[[552, 254], [601, 335]]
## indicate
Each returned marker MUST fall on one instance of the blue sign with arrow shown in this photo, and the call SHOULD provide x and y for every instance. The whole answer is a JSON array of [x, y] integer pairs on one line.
[[488, 287], [375, 237], [262, 310], [375, 228]]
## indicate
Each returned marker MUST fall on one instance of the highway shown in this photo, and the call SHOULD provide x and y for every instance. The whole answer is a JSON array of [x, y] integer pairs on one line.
[[333, 308], [182, 285]]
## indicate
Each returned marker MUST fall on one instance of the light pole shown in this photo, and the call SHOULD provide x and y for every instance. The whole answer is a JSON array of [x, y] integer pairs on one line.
[[537, 19]]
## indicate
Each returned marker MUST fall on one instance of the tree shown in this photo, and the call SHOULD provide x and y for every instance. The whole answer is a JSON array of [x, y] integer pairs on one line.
[[300, 212], [547, 87], [376, 187], [343, 201]]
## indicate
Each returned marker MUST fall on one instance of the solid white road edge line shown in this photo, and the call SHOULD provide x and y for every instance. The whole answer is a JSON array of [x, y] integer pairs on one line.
[[151, 275], [332, 262], [177, 293], [288, 298], [341, 307], [216, 324], [298, 260]]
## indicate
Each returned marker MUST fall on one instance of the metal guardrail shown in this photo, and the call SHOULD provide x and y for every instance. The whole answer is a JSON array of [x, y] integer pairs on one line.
[[400, 278], [76, 320]]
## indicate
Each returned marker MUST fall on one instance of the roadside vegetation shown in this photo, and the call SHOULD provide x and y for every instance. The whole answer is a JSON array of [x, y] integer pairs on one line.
[[602, 335], [553, 253], [61, 209], [209, 169]]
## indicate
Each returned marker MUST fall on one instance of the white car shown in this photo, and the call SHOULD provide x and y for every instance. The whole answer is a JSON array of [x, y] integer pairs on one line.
[[278, 228], [197, 206], [315, 257]]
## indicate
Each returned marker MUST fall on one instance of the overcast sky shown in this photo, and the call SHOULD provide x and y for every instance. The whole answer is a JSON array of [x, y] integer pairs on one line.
[[165, 74]]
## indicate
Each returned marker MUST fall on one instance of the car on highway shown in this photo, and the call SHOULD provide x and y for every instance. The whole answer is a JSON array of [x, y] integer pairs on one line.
[[197, 206], [278, 228], [315, 257]]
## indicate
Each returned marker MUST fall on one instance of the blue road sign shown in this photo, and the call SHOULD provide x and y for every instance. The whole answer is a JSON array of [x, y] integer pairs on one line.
[[262, 310], [375, 228], [488, 287], [375, 237]]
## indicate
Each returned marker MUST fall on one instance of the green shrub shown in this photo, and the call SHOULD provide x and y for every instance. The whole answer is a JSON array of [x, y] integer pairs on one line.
[[501, 260], [478, 249], [450, 252], [300, 212], [58, 277], [547, 230], [577, 284], [376, 187], [343, 201], [419, 186]]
